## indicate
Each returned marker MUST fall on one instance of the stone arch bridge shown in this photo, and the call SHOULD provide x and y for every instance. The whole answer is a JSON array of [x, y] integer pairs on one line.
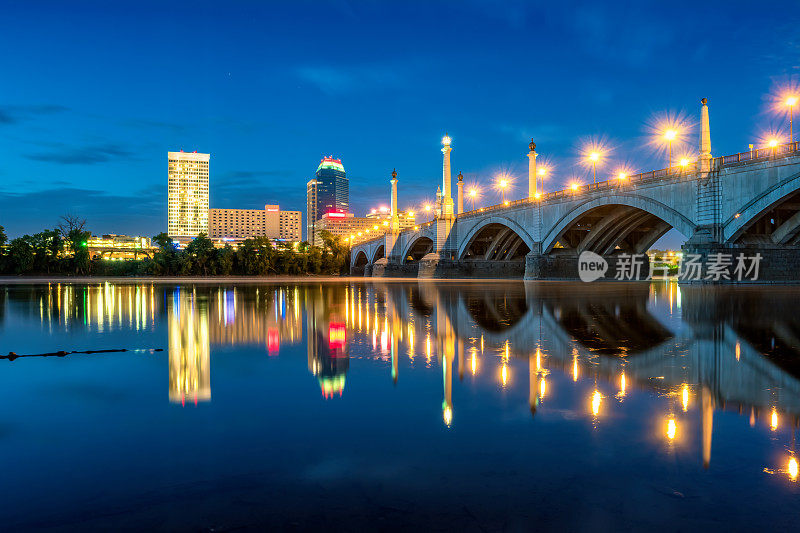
[[742, 203]]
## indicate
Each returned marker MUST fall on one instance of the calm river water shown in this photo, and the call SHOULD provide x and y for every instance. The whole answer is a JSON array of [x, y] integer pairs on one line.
[[469, 406]]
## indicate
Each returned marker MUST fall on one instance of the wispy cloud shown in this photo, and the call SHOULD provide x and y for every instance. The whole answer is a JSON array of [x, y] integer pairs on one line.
[[13, 114], [336, 80], [82, 155]]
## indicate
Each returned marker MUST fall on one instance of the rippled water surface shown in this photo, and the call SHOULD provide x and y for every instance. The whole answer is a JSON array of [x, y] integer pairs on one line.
[[470, 406]]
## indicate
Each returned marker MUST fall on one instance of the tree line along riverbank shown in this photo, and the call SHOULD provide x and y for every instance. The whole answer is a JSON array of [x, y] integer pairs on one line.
[[63, 250]]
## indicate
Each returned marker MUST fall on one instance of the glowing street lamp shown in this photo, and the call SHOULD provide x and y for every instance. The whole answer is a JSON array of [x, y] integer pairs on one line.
[[473, 192], [503, 184], [542, 173], [594, 157], [791, 101], [684, 162], [574, 187], [622, 176], [670, 135]]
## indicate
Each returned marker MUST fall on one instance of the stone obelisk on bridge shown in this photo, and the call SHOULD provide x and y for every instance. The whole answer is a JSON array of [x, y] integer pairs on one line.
[[533, 188], [460, 202]]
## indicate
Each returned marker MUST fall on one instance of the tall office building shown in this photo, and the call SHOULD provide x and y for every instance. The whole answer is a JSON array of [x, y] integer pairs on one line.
[[187, 215], [327, 192]]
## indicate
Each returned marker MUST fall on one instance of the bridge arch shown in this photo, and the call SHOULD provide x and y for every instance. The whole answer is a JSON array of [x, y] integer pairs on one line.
[[776, 197], [359, 263], [481, 225], [417, 247], [661, 216], [380, 253]]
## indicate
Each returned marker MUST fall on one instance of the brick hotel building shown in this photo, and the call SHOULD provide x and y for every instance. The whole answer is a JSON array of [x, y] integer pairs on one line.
[[240, 224]]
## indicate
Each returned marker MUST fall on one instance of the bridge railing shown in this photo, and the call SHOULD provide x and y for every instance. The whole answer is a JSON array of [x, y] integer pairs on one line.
[[757, 154], [606, 185]]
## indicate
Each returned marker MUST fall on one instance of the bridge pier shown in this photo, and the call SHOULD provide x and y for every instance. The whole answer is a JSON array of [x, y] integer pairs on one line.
[[564, 266], [776, 263], [436, 265], [387, 268]]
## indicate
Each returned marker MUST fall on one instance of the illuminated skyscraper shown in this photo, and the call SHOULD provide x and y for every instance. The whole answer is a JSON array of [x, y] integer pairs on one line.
[[328, 191], [188, 194]]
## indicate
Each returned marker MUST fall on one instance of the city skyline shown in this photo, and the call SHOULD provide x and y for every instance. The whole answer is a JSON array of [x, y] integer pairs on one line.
[[267, 108]]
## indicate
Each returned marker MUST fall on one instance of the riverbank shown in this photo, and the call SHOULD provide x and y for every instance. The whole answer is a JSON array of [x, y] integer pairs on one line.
[[215, 280]]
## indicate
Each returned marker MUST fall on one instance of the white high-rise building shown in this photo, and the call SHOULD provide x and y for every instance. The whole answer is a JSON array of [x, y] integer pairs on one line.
[[188, 194]]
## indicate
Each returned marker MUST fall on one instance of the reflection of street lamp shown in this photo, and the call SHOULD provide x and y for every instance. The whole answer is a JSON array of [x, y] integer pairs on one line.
[[669, 135], [472, 194], [593, 157], [503, 185], [791, 101], [672, 428]]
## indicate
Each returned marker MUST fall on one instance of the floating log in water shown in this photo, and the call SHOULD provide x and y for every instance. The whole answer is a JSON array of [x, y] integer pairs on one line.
[[13, 355]]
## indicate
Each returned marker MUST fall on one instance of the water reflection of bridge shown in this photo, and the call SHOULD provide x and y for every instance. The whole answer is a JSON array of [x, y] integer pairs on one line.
[[735, 348], [739, 343]]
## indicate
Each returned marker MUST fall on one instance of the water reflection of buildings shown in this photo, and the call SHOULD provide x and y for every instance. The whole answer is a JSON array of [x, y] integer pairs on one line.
[[264, 316], [198, 318], [201, 317], [189, 348], [328, 353], [97, 307]]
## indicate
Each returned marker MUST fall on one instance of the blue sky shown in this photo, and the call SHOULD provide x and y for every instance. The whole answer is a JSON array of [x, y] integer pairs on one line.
[[94, 94]]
